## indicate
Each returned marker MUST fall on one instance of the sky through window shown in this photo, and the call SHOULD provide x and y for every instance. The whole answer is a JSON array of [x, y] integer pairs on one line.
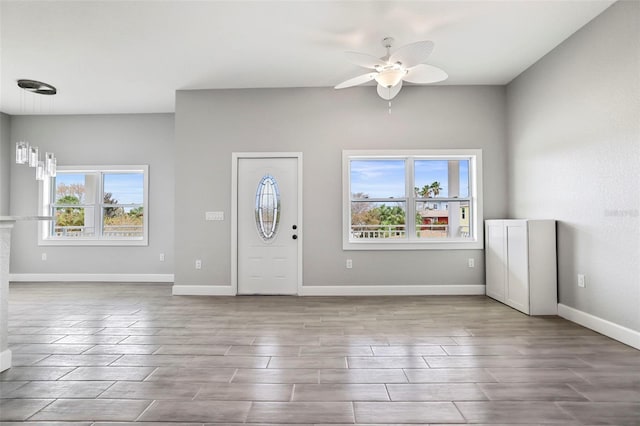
[[386, 178]]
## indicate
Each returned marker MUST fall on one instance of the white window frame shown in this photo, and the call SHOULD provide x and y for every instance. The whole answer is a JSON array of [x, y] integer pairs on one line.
[[46, 199], [475, 240]]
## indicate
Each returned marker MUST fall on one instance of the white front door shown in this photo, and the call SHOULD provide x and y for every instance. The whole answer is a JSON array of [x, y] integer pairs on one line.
[[267, 227]]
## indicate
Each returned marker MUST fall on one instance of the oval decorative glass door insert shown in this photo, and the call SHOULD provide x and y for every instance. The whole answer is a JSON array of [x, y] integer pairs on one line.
[[267, 207]]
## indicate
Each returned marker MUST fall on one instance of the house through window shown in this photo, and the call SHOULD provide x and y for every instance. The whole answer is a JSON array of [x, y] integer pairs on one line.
[[412, 199], [96, 206]]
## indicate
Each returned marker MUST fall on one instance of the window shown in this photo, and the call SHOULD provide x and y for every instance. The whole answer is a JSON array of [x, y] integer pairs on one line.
[[423, 199], [96, 206], [267, 208]]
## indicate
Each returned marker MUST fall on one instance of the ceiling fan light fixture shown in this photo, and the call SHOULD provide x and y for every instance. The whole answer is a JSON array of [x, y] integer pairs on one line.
[[405, 64], [390, 77]]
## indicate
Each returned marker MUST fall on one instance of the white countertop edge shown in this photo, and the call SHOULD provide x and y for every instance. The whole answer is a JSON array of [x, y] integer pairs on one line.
[[16, 218]]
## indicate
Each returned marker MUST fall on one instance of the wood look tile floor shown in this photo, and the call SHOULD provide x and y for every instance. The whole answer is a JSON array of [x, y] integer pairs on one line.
[[121, 354]]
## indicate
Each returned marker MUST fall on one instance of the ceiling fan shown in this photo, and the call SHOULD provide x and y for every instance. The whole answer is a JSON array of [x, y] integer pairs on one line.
[[405, 64]]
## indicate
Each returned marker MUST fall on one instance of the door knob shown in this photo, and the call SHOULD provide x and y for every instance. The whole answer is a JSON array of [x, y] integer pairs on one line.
[[294, 227], [294, 236]]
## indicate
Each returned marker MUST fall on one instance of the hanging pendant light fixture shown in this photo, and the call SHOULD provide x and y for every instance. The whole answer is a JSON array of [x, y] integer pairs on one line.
[[50, 164], [34, 156], [25, 152], [38, 87]]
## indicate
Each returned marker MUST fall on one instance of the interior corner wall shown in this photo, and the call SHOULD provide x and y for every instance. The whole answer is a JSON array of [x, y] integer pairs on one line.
[[5, 162], [574, 156], [320, 123], [94, 140]]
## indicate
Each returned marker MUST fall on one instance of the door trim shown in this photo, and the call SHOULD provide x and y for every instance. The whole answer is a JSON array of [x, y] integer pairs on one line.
[[235, 159]]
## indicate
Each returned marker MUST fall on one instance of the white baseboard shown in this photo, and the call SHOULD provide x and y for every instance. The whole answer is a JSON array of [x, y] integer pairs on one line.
[[5, 359], [393, 290], [119, 278], [347, 290], [203, 290], [608, 328]]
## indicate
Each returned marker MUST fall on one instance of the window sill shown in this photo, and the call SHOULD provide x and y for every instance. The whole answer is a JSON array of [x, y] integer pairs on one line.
[[94, 242], [414, 245]]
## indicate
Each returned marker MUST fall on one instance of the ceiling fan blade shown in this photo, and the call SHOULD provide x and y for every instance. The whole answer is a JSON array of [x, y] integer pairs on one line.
[[413, 53], [389, 93], [423, 74], [364, 78], [364, 60]]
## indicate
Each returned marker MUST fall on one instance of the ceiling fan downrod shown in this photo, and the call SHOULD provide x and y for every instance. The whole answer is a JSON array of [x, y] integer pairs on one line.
[[387, 42]]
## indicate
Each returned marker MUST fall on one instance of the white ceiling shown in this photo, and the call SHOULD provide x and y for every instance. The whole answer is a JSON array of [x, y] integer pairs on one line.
[[131, 56]]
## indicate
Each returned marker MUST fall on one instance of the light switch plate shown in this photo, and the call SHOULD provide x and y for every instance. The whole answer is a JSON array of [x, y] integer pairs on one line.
[[214, 215]]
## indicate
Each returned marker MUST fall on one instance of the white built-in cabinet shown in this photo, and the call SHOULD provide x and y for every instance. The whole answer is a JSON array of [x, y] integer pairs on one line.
[[520, 258]]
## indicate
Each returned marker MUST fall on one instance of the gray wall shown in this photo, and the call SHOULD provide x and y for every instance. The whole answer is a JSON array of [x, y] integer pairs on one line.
[[574, 156], [320, 123], [97, 140], [5, 162]]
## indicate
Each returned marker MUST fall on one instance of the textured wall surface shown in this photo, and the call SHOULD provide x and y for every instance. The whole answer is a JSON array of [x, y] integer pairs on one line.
[[320, 123], [97, 140], [574, 156]]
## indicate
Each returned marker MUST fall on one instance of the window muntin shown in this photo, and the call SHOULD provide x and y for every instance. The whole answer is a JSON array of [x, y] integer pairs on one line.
[[96, 206], [441, 195]]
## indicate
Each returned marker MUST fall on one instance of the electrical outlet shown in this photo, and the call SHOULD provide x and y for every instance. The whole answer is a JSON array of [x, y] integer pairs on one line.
[[471, 263], [581, 282], [44, 256], [198, 264], [349, 264], [161, 257]]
